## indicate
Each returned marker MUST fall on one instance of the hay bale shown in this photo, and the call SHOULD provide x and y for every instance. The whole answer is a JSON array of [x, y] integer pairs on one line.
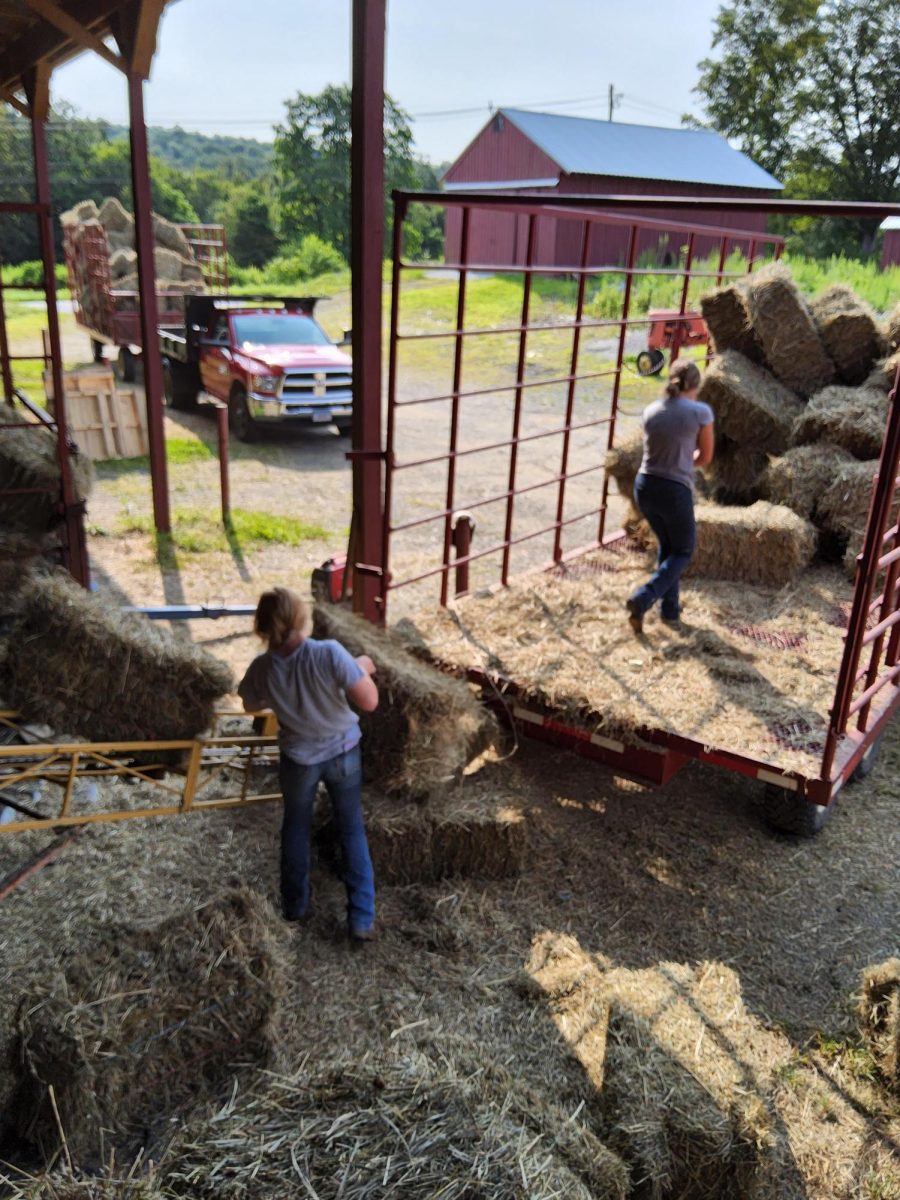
[[167, 264], [148, 1024], [427, 725], [623, 463], [752, 408], [728, 321], [114, 217], [786, 330], [892, 328], [123, 240], [405, 1127], [114, 1184], [879, 1017], [851, 417], [122, 262], [849, 331], [467, 834], [167, 235], [71, 660], [843, 505], [884, 373], [800, 476], [29, 459], [192, 272], [762, 544], [735, 475], [86, 210]]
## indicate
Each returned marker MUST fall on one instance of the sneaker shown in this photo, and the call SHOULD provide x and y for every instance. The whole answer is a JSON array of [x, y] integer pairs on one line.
[[635, 617], [362, 935]]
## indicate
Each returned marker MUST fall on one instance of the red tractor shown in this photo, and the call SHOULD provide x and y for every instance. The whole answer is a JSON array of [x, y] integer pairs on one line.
[[670, 330]]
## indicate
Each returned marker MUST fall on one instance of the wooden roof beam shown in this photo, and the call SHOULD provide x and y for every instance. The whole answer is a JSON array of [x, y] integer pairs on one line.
[[135, 29], [56, 16], [37, 88], [11, 98]]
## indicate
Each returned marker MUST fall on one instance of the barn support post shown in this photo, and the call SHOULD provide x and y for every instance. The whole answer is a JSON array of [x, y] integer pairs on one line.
[[5, 363], [143, 241], [37, 89], [366, 254]]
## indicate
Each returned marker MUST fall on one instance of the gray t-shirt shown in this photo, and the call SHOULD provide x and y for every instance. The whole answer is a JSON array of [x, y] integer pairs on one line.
[[671, 425], [306, 691]]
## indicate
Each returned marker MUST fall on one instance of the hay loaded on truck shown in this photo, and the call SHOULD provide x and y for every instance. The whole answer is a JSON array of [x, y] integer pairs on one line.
[[268, 359]]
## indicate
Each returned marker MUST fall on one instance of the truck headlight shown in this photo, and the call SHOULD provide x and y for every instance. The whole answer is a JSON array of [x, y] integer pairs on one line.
[[265, 385]]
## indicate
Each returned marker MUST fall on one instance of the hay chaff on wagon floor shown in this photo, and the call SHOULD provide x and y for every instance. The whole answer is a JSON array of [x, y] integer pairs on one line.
[[849, 331], [71, 660], [427, 727], [751, 407], [785, 327], [147, 1024]]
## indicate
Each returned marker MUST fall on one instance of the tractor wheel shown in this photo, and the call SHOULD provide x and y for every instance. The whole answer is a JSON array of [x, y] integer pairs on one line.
[[788, 812], [179, 386], [650, 362], [242, 424]]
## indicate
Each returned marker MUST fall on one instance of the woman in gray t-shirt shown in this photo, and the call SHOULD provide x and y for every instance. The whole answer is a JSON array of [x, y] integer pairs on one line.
[[678, 436]]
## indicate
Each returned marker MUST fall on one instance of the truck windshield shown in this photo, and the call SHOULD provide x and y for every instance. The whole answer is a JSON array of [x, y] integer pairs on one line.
[[277, 329]]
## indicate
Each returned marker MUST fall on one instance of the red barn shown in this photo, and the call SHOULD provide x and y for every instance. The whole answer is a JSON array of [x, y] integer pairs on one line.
[[540, 152], [890, 250]]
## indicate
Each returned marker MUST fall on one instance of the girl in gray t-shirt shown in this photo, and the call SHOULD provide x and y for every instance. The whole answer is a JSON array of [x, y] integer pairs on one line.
[[678, 436]]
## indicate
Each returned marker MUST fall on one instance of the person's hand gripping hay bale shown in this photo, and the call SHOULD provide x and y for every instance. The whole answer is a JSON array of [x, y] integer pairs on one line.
[[849, 331], [147, 1025], [851, 417], [310, 685], [752, 408], [786, 329], [77, 663], [678, 436], [879, 1017], [431, 726], [728, 321], [892, 328]]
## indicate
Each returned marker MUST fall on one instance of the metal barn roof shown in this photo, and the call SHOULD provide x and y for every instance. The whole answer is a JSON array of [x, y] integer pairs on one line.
[[890, 223], [584, 146]]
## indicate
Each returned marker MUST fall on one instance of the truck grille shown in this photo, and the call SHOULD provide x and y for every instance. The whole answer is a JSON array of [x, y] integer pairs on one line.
[[330, 383]]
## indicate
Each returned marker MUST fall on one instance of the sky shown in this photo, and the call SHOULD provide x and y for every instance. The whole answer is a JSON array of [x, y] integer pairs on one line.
[[227, 66]]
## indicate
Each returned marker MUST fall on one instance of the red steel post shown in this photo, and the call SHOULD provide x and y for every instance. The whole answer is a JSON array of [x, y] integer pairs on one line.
[[620, 359], [5, 363], [454, 404], [463, 531], [570, 396], [386, 529], [517, 410], [366, 254], [72, 507], [149, 317], [224, 480], [679, 327]]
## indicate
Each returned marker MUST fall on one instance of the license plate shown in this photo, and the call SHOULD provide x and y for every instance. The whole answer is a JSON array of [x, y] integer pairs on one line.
[[321, 417]]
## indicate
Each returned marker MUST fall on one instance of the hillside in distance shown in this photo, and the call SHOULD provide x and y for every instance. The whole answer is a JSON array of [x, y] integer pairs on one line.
[[231, 157]]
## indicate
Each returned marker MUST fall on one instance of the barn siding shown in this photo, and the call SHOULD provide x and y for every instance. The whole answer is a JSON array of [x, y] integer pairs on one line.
[[890, 251], [497, 237]]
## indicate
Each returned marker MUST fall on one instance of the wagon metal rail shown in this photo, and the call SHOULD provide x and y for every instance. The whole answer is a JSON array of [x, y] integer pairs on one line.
[[175, 772]]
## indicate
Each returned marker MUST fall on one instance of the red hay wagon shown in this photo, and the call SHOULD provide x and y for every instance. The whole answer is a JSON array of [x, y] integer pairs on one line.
[[531, 519]]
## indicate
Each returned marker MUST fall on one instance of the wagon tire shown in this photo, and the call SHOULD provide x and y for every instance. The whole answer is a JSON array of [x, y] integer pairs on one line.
[[179, 388], [866, 764], [344, 426], [125, 367], [650, 362], [789, 812], [242, 424], [97, 350]]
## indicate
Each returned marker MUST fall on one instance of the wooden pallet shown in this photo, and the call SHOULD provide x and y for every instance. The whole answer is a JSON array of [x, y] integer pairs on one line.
[[105, 420]]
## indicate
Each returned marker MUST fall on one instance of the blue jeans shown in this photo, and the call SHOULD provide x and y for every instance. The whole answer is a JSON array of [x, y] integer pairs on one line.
[[669, 509], [342, 776]]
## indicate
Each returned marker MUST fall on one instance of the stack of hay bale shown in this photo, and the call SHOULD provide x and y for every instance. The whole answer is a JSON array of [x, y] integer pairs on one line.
[[176, 267], [29, 459], [799, 392]]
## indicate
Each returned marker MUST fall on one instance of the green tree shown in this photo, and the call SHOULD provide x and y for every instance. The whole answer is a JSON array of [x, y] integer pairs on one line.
[[810, 89], [249, 228], [312, 164]]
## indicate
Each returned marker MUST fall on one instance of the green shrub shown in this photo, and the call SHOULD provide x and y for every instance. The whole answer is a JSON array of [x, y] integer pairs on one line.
[[310, 258], [31, 274]]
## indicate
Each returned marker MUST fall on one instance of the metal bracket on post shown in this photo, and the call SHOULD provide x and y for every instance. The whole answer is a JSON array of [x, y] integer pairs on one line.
[[462, 530]]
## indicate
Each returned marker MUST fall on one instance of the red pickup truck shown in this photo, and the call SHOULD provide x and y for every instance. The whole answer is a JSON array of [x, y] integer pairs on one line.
[[268, 359]]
